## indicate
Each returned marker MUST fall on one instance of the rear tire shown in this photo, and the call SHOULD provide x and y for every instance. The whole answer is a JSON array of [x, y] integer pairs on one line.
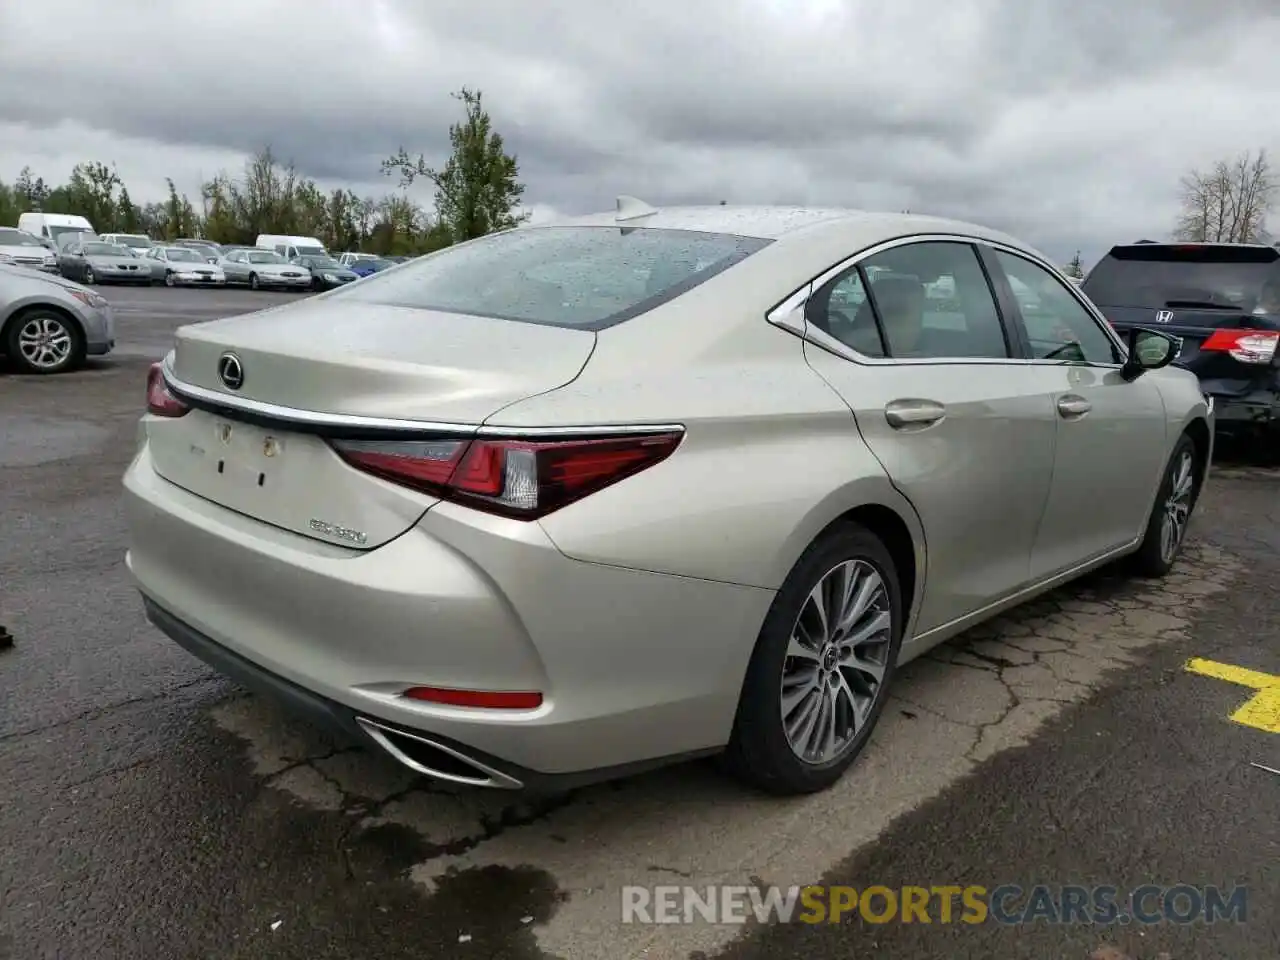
[[815, 687], [1176, 498]]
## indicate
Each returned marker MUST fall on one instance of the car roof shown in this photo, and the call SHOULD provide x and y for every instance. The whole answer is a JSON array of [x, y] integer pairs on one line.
[[1198, 244], [818, 226]]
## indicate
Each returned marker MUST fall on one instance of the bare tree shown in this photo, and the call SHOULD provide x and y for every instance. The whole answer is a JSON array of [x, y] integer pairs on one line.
[[1230, 202]]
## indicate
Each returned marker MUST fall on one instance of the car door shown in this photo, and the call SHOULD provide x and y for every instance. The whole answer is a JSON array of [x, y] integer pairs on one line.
[[913, 338], [1111, 433], [235, 266], [70, 263]]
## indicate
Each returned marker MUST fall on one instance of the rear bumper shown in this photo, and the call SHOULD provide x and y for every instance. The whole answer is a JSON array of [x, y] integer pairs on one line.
[[1259, 404], [635, 667], [348, 722]]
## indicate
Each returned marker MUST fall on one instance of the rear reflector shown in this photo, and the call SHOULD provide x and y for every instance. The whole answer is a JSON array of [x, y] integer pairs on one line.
[[516, 478], [1247, 346], [160, 402], [485, 699]]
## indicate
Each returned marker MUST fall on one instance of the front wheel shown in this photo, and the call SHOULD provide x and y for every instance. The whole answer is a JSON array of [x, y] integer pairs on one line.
[[168, 280], [89, 278], [1175, 500], [821, 668], [42, 341]]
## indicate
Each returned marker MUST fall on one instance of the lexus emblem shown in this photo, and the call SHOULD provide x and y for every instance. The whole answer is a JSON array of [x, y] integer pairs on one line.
[[230, 371], [1164, 316]]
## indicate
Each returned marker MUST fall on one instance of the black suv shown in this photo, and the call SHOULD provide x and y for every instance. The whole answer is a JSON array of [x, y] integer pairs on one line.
[[1223, 300]]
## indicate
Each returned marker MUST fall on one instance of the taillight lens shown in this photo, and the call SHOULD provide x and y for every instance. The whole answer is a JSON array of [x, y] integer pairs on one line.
[[516, 478], [160, 402], [1247, 346]]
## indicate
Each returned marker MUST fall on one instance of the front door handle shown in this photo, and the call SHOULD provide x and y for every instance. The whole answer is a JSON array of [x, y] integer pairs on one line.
[[903, 414], [1072, 406]]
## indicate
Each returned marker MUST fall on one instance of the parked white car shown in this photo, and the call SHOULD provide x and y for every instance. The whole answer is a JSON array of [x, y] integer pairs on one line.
[[20, 249]]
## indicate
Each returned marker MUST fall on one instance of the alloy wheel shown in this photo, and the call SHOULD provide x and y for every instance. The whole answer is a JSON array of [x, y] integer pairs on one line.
[[44, 342], [835, 663], [1177, 507]]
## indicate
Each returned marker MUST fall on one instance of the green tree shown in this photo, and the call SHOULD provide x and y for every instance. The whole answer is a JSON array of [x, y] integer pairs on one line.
[[10, 206], [179, 215], [478, 190], [30, 190], [1075, 268], [127, 214]]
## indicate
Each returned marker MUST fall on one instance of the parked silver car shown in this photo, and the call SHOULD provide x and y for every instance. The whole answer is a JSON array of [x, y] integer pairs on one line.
[[21, 249], [264, 268], [138, 242], [211, 251], [182, 267], [572, 500], [49, 325], [95, 261]]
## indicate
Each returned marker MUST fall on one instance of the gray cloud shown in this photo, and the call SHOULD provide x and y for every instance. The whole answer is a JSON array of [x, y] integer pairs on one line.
[[1068, 124]]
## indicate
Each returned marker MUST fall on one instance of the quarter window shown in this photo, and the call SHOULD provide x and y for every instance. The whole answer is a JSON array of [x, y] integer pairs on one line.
[[1057, 324], [920, 301]]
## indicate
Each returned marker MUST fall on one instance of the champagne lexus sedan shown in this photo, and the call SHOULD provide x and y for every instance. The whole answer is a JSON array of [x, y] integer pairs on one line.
[[577, 499]]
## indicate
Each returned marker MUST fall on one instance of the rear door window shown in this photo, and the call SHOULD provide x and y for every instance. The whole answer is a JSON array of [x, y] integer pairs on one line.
[[920, 300], [583, 277], [1191, 276]]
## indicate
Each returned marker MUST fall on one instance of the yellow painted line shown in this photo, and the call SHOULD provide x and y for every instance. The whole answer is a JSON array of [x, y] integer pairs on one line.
[[1262, 710]]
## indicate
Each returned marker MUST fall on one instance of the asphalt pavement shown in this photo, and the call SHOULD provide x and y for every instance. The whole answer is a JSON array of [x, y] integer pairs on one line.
[[149, 808], [147, 316]]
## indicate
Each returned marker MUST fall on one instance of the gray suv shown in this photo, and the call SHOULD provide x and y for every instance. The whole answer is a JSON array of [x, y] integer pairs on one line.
[[49, 325]]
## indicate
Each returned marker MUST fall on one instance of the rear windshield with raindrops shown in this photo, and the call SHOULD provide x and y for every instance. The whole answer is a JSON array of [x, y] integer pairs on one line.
[[586, 278]]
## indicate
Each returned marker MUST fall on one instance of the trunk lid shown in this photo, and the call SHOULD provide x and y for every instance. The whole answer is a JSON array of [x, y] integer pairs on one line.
[[345, 359]]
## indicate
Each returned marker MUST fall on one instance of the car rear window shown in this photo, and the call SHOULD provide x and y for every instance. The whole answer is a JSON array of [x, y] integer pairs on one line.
[[1160, 276], [587, 278]]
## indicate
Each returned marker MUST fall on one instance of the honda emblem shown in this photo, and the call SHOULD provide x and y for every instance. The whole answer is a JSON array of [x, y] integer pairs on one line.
[[1164, 316]]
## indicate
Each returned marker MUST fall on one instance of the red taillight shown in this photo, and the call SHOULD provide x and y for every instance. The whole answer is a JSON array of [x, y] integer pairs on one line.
[[485, 699], [516, 478], [160, 402], [1247, 346]]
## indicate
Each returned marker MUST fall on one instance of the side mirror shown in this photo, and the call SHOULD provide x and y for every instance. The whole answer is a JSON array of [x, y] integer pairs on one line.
[[1149, 350]]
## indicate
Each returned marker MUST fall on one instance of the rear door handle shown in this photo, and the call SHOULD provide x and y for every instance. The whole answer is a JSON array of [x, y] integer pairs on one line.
[[1072, 406], [903, 414]]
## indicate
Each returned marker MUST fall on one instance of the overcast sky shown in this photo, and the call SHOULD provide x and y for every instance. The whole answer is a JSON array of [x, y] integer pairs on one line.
[[1067, 122]]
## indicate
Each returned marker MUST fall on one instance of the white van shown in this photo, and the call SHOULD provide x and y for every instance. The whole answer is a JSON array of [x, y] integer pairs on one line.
[[290, 247], [49, 226]]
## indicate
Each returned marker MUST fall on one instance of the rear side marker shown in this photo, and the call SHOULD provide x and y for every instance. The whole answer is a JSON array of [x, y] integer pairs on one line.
[[484, 699]]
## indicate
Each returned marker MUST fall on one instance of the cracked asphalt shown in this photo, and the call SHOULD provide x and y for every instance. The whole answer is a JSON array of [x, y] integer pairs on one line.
[[152, 809]]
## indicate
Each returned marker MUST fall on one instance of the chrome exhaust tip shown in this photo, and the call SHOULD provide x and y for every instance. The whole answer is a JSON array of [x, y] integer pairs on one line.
[[423, 755]]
